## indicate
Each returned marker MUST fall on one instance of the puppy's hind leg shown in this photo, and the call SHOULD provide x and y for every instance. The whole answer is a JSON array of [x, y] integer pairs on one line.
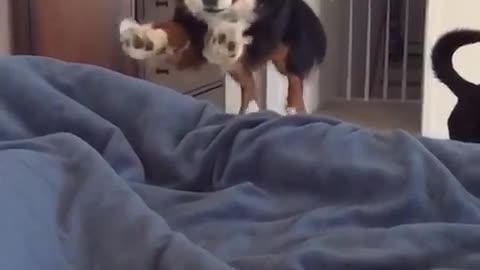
[[294, 103]]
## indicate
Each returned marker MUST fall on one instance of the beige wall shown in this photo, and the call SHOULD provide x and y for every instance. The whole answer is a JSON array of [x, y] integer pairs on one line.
[[442, 16], [4, 27]]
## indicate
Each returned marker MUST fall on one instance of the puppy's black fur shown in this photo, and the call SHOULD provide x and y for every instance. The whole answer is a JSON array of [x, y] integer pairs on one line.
[[288, 22], [196, 29], [464, 121]]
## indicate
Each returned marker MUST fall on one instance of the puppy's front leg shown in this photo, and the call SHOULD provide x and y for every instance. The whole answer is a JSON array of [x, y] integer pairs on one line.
[[142, 41], [247, 84], [225, 44]]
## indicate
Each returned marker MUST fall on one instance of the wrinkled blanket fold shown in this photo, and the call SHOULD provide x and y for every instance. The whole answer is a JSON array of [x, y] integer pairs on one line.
[[102, 171]]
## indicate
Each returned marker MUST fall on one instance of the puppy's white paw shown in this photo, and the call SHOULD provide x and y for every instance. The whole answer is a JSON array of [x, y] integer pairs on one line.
[[225, 44], [291, 111], [127, 24], [252, 107], [141, 41]]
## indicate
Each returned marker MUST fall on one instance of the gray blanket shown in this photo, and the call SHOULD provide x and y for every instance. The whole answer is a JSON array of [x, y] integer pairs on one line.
[[102, 171]]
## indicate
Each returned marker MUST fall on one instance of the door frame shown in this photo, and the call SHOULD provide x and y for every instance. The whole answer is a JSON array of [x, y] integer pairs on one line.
[[21, 32]]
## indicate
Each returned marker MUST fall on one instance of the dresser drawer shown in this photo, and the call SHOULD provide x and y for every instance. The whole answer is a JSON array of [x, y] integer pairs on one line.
[[158, 10], [160, 72], [215, 96]]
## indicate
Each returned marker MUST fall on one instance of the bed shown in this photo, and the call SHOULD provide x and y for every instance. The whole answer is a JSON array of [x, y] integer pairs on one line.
[[102, 171]]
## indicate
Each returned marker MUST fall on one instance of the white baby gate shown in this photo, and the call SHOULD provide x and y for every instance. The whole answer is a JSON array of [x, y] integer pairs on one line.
[[374, 57]]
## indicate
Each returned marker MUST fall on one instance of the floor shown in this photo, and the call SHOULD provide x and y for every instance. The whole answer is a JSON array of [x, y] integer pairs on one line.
[[380, 115]]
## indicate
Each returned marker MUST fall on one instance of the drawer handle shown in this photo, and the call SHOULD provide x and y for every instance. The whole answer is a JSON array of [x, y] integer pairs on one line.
[[162, 71], [160, 3]]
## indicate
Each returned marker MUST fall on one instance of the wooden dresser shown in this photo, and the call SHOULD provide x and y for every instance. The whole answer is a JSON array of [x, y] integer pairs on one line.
[[86, 31]]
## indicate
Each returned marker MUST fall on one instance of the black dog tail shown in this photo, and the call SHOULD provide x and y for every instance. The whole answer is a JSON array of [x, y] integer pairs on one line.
[[442, 55]]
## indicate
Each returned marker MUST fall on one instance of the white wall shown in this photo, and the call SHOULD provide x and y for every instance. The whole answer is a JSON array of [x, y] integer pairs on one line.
[[442, 16], [312, 83], [333, 73], [4, 27]]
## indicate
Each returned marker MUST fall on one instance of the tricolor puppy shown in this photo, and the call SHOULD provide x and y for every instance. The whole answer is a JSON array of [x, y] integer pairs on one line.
[[238, 35]]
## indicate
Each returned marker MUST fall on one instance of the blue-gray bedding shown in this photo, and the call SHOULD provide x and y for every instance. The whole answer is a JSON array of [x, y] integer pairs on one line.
[[102, 171]]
